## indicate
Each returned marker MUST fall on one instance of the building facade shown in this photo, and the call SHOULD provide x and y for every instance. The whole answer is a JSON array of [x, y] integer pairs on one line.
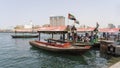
[[57, 21], [111, 26], [46, 25], [118, 26]]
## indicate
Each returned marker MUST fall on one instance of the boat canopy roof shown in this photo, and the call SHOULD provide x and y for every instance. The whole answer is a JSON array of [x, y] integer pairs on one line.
[[63, 29], [109, 30], [85, 29], [53, 30]]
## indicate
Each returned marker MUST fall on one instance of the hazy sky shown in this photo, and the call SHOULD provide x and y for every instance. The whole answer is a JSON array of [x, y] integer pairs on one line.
[[88, 12]]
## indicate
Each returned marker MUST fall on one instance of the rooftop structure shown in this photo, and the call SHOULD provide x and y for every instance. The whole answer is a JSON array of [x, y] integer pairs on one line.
[[57, 21]]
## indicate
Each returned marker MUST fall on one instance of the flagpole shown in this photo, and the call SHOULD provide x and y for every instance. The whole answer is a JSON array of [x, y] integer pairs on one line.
[[74, 23], [68, 21], [68, 28]]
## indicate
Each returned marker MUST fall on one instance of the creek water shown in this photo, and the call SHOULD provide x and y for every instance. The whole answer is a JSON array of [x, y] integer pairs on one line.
[[17, 53]]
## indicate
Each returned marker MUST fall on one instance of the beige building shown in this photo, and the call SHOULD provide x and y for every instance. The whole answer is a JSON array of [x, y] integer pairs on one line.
[[118, 26], [19, 27], [46, 25], [57, 21], [111, 25]]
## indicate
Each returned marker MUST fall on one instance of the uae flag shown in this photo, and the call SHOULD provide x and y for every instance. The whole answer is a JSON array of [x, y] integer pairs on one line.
[[71, 17]]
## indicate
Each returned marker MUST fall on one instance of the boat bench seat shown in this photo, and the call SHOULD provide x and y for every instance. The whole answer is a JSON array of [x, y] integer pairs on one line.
[[54, 44], [54, 40]]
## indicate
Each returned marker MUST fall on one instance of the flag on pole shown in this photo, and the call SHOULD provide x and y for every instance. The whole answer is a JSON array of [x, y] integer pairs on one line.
[[71, 17]]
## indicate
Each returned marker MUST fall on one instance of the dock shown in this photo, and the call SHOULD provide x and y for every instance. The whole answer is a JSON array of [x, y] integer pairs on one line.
[[117, 65]]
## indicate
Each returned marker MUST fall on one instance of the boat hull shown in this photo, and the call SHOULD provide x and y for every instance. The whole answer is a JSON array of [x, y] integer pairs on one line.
[[24, 36], [71, 49]]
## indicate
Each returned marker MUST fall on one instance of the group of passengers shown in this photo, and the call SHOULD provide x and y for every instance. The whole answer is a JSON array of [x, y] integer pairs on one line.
[[72, 35], [89, 37], [111, 36], [92, 38]]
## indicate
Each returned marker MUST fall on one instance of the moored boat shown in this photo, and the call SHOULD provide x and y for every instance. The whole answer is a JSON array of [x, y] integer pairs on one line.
[[25, 36], [61, 45], [25, 32]]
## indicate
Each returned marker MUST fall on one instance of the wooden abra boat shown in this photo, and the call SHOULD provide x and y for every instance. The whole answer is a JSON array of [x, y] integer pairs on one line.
[[63, 48], [61, 45]]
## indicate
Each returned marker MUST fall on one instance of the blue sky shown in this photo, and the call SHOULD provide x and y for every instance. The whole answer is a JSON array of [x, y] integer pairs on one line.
[[88, 12]]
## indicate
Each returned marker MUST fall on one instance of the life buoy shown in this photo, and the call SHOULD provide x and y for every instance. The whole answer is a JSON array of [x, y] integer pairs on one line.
[[111, 48]]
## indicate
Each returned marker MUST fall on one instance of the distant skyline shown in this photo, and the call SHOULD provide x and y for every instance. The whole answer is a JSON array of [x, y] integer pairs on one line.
[[88, 12]]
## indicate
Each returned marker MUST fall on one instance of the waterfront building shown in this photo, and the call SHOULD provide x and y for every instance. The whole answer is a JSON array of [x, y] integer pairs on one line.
[[30, 25], [19, 27], [57, 21], [36, 26], [111, 25], [118, 26], [46, 25]]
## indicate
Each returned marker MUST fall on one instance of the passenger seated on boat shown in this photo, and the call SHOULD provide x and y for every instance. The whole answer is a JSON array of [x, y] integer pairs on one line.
[[61, 38], [81, 38], [78, 39], [86, 38]]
